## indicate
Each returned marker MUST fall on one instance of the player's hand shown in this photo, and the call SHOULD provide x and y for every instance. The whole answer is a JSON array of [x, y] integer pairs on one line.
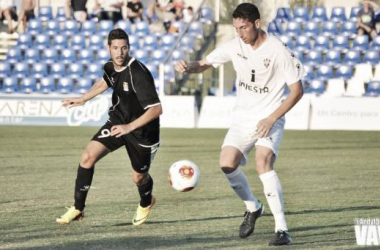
[[120, 130], [73, 102], [263, 127], [181, 66]]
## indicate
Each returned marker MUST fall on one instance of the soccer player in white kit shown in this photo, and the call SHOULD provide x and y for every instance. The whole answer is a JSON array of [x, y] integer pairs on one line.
[[265, 68]]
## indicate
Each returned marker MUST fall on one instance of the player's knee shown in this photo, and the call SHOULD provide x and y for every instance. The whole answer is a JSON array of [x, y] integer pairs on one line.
[[140, 179], [87, 159]]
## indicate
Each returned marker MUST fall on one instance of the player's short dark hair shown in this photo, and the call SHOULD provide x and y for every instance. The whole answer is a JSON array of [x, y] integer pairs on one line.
[[246, 11], [117, 34]]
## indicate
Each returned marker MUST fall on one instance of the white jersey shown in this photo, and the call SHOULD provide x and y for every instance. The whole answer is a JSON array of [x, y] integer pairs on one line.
[[262, 75]]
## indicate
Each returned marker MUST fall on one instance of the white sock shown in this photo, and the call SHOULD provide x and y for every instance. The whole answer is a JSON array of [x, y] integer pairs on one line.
[[239, 184], [273, 192]]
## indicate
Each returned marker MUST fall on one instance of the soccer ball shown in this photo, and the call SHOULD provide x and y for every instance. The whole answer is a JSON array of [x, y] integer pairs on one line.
[[184, 175]]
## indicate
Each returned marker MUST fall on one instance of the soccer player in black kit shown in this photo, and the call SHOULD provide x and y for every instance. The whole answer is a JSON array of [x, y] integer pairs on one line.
[[133, 122]]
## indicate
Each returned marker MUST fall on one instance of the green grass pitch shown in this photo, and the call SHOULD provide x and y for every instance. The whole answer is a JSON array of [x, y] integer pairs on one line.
[[329, 179]]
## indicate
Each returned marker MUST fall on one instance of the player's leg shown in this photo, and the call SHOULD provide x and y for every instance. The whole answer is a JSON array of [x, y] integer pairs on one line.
[[93, 152], [266, 151], [141, 158]]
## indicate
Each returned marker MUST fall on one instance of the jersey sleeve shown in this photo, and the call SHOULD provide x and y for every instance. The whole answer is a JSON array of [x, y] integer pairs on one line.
[[219, 56], [292, 66], [107, 71], [145, 88]]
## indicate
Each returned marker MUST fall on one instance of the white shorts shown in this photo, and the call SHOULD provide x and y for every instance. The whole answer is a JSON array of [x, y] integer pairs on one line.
[[241, 137]]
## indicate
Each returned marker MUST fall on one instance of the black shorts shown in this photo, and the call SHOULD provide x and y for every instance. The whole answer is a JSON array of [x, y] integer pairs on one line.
[[139, 154], [29, 15]]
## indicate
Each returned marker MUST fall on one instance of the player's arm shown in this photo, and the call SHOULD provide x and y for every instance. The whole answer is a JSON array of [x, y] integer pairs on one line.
[[265, 125], [151, 114], [68, 9], [374, 5], [98, 88], [192, 67]]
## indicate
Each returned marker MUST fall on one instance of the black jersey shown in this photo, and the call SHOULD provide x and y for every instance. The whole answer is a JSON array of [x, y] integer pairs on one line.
[[79, 5], [133, 93]]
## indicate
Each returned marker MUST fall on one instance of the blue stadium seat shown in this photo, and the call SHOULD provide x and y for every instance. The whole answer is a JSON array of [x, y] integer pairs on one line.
[[94, 71], [169, 73], [96, 42], [68, 56], [338, 14], [65, 85], [324, 72], [354, 13], [168, 41], [141, 28], [32, 55], [45, 13], [57, 70], [102, 56], [273, 29], [316, 86], [75, 70], [47, 85], [61, 14], [322, 43], [60, 41], [70, 27], [329, 28], [311, 29], [158, 56], [34, 27], [83, 85], [293, 28], [78, 42], [124, 25], [283, 14], [141, 54], [352, 57], [24, 41], [88, 28], [178, 54], [309, 70], [150, 42], [134, 41], [349, 29], [86, 56], [373, 89], [187, 43], [5, 69], [52, 27], [288, 40], [196, 29], [340, 43], [42, 41], [375, 44], [10, 85], [153, 69], [344, 71], [39, 70], [371, 56], [361, 43], [28, 85], [303, 43], [104, 27], [333, 58], [14, 55], [319, 14], [300, 14], [313, 58], [207, 15], [50, 55], [21, 70], [178, 25]]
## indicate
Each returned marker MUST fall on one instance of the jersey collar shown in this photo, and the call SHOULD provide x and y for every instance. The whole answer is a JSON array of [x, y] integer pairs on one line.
[[131, 60]]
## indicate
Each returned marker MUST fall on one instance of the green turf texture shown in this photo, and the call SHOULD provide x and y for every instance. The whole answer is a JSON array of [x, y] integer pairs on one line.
[[329, 179]]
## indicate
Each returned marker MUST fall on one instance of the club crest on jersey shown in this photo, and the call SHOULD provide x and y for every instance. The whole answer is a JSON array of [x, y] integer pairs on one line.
[[125, 86], [242, 56], [266, 63]]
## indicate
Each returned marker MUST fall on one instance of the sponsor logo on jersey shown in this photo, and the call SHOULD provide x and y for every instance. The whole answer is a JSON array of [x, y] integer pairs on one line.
[[242, 56], [125, 86], [266, 62], [255, 89]]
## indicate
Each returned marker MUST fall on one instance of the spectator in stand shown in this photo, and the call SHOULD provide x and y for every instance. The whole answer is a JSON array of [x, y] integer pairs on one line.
[[366, 20], [179, 6], [375, 8], [164, 10], [27, 12], [76, 8], [109, 10], [135, 10], [8, 12], [188, 14]]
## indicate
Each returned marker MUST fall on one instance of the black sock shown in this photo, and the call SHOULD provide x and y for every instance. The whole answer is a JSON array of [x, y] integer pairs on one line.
[[145, 192], [82, 185]]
